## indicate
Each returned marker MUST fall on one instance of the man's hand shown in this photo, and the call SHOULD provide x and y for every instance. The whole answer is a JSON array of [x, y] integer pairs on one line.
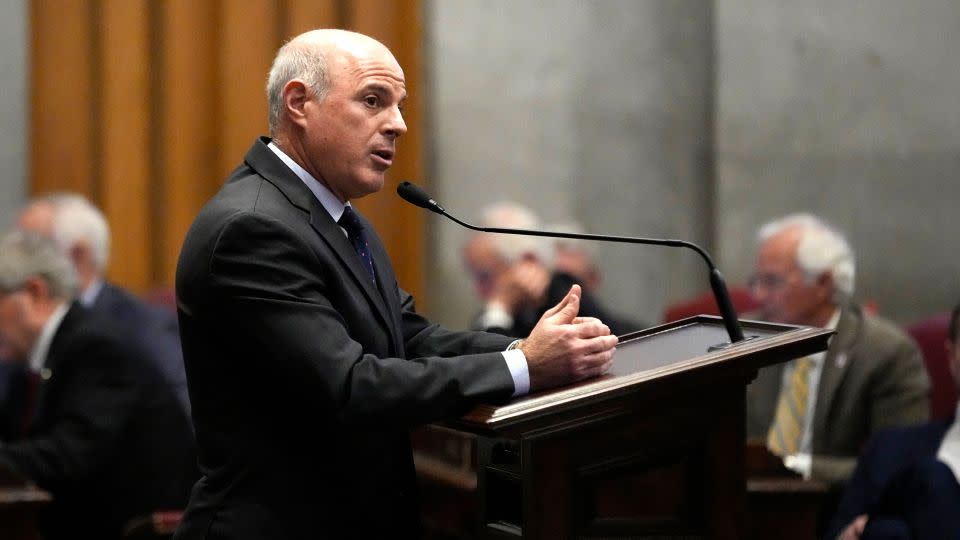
[[855, 529], [563, 348]]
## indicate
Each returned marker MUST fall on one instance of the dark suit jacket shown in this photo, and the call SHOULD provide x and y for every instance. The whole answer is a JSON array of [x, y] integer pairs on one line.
[[154, 330], [108, 439], [873, 378], [303, 375], [877, 485], [558, 287]]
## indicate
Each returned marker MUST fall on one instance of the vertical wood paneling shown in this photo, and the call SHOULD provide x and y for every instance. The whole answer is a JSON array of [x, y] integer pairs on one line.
[[249, 41], [303, 15], [62, 94], [145, 105], [398, 25], [124, 180], [189, 157]]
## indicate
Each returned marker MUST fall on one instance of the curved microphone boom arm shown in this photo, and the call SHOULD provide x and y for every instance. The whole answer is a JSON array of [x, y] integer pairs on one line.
[[414, 195]]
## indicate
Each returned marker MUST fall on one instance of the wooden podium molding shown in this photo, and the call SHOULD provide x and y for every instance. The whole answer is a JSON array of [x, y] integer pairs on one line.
[[653, 449]]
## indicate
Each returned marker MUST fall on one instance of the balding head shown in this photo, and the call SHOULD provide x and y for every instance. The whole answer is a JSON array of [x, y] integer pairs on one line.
[[335, 109], [309, 58]]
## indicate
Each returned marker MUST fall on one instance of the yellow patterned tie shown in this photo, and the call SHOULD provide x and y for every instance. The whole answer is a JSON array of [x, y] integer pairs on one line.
[[784, 436]]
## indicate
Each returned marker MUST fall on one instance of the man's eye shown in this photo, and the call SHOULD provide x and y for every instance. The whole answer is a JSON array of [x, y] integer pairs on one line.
[[371, 101]]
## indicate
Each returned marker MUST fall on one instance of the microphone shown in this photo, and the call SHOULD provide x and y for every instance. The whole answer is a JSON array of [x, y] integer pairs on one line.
[[414, 195]]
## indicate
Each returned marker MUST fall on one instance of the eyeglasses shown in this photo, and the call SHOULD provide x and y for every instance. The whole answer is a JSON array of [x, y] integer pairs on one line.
[[766, 280]]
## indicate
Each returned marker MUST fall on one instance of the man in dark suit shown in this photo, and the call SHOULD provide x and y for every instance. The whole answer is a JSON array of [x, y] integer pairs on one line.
[[307, 363], [817, 412], [93, 424], [82, 231], [512, 275], [906, 482]]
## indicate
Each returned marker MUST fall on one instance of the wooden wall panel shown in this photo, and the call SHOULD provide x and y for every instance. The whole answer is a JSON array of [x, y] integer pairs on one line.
[[125, 172], [250, 37], [189, 117], [62, 98], [145, 105], [300, 16]]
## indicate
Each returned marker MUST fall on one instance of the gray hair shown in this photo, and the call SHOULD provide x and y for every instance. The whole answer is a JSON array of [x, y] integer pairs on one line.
[[24, 255], [822, 249], [294, 61], [511, 247], [76, 220]]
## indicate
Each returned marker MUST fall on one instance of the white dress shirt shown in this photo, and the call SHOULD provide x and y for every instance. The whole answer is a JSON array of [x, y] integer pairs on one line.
[[38, 354], [802, 461], [516, 361], [90, 294], [949, 452]]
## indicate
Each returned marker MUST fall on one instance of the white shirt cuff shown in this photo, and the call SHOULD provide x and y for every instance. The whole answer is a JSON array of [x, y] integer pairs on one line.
[[495, 316], [517, 364], [799, 463]]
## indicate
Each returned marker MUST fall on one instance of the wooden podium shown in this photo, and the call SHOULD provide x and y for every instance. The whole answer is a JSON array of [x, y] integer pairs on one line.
[[653, 449]]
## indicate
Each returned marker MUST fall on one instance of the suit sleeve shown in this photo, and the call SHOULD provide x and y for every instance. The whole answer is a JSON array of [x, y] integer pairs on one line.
[[422, 337], [271, 287], [98, 399], [901, 394], [860, 494]]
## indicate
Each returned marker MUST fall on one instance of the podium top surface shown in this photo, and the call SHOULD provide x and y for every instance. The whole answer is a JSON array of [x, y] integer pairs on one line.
[[670, 351]]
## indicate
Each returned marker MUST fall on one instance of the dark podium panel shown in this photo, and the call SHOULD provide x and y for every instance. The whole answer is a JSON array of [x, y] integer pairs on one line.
[[653, 449]]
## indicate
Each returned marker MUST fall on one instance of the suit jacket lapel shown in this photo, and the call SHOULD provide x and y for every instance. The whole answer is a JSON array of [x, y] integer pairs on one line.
[[268, 165], [835, 367], [51, 366]]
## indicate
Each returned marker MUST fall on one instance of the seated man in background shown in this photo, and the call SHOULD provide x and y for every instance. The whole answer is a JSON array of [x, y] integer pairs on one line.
[[817, 412], [82, 232], [512, 274], [93, 423], [906, 483]]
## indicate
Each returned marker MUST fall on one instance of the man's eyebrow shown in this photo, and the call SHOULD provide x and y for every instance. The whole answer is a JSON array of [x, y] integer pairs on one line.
[[384, 89]]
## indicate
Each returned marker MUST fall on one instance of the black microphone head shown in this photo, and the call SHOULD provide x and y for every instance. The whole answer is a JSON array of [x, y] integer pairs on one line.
[[412, 193]]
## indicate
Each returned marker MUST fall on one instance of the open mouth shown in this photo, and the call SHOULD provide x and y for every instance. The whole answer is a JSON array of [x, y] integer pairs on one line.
[[385, 156]]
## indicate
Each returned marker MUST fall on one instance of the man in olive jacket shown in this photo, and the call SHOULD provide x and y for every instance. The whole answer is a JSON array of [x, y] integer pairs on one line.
[[872, 377]]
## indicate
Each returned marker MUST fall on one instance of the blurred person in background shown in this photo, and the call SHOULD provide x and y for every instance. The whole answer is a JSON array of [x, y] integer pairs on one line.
[[92, 421], [82, 232], [578, 258], [512, 274], [906, 482], [817, 412]]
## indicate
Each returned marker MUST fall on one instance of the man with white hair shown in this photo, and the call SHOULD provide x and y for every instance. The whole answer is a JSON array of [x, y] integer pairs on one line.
[[817, 412], [90, 421], [514, 277], [82, 232]]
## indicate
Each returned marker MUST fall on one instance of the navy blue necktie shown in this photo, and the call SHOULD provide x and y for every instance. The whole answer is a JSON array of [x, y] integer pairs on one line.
[[355, 233]]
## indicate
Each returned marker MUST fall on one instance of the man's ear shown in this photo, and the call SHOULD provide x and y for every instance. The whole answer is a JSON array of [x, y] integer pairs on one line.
[[295, 98], [825, 285], [36, 288]]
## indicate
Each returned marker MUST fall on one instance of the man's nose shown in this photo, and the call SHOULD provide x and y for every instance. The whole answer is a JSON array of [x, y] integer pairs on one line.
[[395, 125]]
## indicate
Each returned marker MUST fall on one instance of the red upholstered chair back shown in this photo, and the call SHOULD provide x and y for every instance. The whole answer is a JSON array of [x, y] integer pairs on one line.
[[704, 304], [931, 334]]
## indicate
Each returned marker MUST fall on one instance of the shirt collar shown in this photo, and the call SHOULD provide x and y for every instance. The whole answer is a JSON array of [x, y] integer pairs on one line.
[[834, 320], [38, 355], [327, 199], [89, 295]]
